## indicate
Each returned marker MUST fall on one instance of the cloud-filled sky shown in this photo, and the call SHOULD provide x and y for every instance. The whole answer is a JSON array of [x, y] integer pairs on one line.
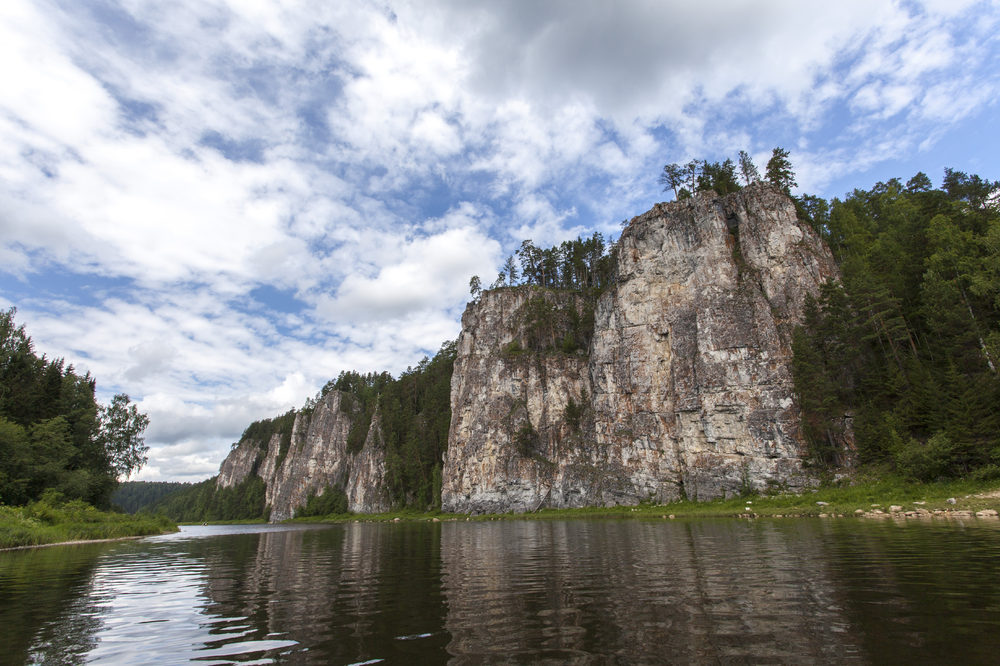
[[215, 206]]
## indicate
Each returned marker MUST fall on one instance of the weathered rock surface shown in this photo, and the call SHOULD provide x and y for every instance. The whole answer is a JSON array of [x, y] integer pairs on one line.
[[686, 390], [316, 458]]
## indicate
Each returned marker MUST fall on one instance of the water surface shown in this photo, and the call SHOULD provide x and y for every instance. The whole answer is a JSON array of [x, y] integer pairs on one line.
[[577, 591]]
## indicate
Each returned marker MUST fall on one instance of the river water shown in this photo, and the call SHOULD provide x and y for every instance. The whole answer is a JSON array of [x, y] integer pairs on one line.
[[575, 591]]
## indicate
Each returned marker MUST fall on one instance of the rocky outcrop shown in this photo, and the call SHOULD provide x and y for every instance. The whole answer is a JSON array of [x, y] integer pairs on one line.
[[675, 383], [315, 457], [685, 390]]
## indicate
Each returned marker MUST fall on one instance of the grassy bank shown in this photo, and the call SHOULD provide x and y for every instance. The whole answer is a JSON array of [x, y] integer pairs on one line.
[[866, 496], [43, 522]]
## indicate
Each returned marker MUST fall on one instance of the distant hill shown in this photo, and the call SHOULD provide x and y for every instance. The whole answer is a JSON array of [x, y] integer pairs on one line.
[[134, 496]]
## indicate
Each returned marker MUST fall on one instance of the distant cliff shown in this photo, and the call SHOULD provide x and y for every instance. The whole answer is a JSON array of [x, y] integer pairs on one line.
[[685, 390], [681, 387], [313, 458]]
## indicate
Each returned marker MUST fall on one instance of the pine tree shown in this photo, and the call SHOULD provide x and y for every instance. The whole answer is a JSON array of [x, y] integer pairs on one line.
[[779, 171]]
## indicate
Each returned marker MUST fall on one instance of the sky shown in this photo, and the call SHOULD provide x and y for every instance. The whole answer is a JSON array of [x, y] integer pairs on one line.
[[216, 206]]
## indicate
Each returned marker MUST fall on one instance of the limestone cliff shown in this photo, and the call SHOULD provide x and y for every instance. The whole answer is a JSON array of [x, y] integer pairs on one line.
[[685, 390], [676, 382], [314, 457]]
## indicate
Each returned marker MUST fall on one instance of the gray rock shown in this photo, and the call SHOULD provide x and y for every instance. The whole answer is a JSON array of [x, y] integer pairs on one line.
[[685, 391], [316, 458], [687, 382]]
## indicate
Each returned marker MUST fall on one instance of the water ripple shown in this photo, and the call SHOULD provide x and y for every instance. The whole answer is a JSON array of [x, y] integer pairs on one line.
[[587, 591]]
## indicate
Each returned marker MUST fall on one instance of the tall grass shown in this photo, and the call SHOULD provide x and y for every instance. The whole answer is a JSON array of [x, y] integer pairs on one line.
[[51, 521]]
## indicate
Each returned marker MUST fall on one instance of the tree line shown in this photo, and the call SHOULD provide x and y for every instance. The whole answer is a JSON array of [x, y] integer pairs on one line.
[[54, 435], [583, 264], [904, 350], [724, 177], [135, 496]]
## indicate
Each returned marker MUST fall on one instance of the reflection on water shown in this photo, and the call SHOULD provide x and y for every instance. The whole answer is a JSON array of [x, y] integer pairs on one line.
[[640, 592], [584, 591]]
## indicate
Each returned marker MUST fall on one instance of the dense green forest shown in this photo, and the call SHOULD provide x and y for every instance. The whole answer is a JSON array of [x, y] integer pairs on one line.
[[201, 502], [135, 496], [54, 436], [905, 349]]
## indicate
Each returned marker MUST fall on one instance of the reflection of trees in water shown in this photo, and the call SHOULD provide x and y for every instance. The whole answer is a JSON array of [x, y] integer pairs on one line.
[[347, 592], [45, 610], [639, 591], [926, 592], [629, 591]]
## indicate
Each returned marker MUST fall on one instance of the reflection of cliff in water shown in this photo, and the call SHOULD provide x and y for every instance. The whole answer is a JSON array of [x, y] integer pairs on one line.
[[347, 592], [640, 592]]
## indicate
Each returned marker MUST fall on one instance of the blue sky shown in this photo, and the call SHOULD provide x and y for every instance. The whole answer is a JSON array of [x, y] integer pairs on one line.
[[216, 206]]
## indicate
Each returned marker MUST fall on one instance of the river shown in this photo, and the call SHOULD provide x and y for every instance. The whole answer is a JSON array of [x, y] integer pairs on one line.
[[572, 591]]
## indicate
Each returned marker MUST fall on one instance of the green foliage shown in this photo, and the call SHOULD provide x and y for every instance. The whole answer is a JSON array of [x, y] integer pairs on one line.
[[261, 432], [201, 502], [584, 264], [135, 496], [513, 348], [526, 439], [719, 177], [574, 412], [748, 170], [926, 461], [361, 395], [554, 324], [415, 414], [905, 344], [53, 434], [332, 501], [699, 175], [779, 171], [53, 519], [120, 428]]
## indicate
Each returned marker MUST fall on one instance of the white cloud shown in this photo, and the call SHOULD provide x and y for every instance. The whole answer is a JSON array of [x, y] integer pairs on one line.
[[427, 272], [194, 151]]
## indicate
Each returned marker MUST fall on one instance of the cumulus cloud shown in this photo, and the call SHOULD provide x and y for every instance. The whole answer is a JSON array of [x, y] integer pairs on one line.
[[252, 197]]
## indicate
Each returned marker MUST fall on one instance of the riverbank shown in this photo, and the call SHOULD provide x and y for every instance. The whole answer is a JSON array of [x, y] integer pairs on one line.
[[43, 524], [863, 499]]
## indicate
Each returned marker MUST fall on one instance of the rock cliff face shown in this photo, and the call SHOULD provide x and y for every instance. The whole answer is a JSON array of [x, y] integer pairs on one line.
[[316, 457], [686, 388], [683, 389]]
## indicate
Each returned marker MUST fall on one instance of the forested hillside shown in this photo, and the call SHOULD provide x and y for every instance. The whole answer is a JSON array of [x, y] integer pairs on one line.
[[54, 436], [135, 496], [905, 350]]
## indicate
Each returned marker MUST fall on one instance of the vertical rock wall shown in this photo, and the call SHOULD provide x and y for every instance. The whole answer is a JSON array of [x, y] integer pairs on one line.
[[688, 378], [316, 458]]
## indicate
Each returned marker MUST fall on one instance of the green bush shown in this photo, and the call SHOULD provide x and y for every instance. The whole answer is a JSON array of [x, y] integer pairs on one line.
[[332, 501], [926, 461]]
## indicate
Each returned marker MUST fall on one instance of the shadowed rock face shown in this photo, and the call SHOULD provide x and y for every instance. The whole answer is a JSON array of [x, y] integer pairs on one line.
[[686, 389], [317, 457]]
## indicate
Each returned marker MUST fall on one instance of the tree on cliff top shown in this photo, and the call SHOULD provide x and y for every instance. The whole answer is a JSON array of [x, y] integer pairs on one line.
[[748, 170], [672, 178], [779, 171]]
